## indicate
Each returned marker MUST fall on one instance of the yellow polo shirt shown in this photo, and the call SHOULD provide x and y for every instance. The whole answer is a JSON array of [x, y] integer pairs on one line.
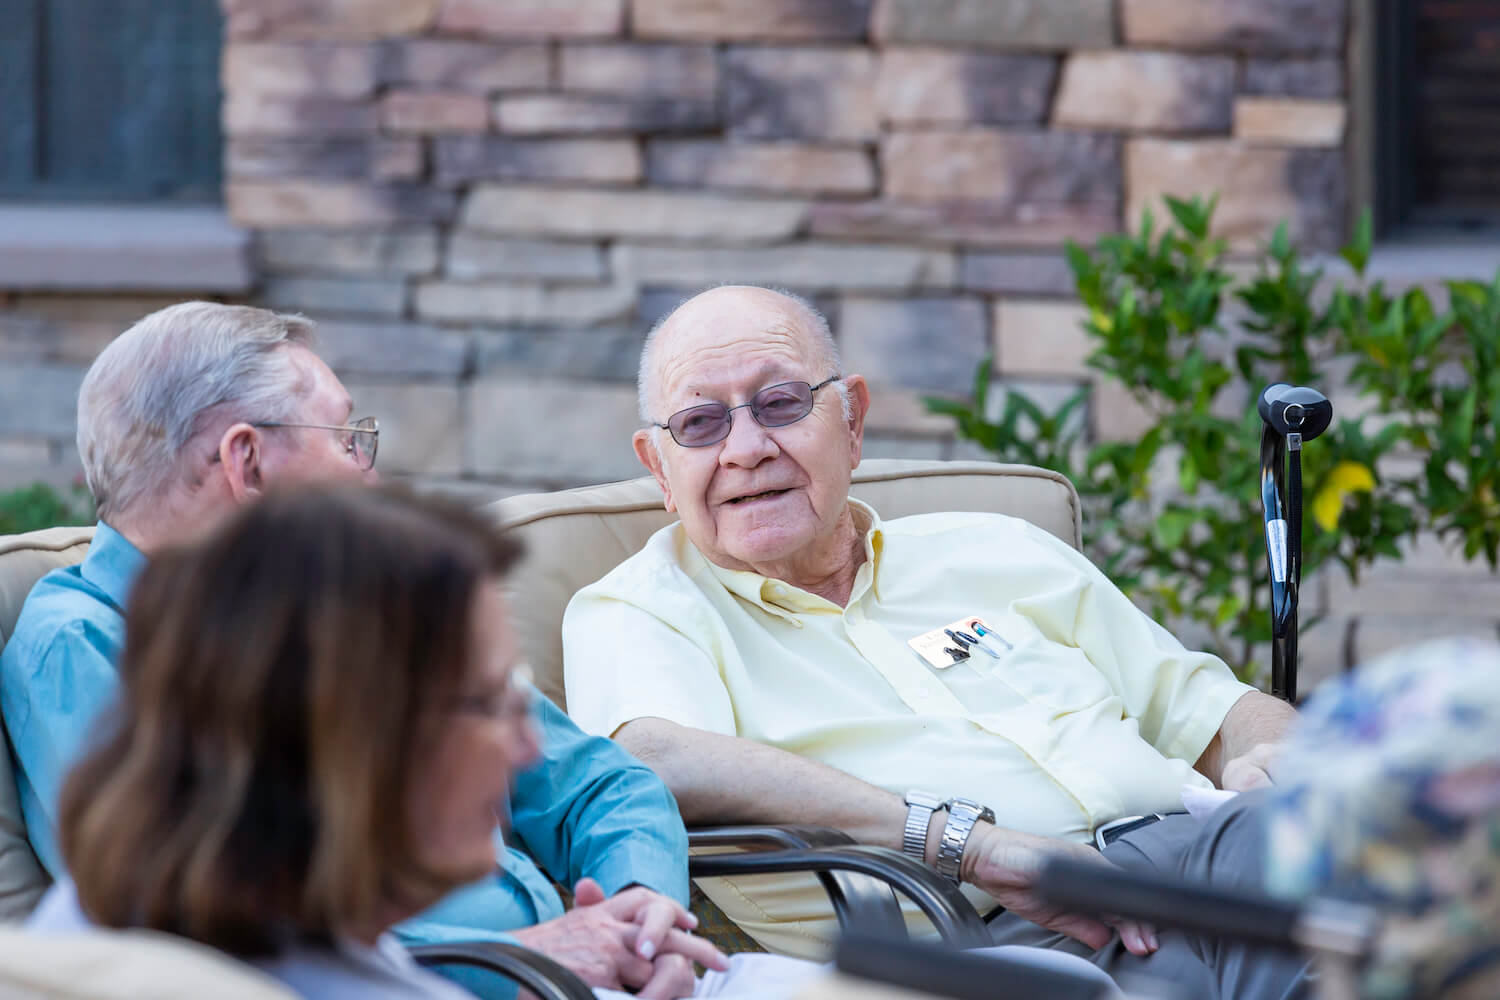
[[1096, 712]]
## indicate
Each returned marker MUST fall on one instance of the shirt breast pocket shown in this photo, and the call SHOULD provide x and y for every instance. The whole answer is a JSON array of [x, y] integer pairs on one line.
[[1039, 668]]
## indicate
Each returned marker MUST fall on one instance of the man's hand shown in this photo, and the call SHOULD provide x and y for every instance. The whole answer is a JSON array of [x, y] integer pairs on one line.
[[1005, 864], [1252, 769], [636, 939]]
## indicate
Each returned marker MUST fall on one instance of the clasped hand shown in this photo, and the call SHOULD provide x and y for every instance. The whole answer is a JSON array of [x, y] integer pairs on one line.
[[636, 939], [1006, 863]]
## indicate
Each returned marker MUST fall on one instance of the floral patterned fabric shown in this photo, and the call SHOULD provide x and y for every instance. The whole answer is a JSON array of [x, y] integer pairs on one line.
[[1389, 793]]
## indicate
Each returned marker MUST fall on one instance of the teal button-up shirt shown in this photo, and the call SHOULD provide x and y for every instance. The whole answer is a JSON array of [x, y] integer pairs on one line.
[[585, 808]]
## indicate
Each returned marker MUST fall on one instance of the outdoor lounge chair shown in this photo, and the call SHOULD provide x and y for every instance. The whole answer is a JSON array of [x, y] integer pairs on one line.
[[574, 537]]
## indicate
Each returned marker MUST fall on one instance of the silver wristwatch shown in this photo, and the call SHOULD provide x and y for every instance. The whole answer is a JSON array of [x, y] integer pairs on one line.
[[962, 815], [920, 806]]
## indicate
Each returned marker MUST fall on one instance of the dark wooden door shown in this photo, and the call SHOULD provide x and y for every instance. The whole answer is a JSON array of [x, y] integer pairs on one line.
[[113, 99]]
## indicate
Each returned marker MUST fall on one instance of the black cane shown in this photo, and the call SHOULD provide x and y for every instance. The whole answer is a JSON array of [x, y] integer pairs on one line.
[[1292, 416]]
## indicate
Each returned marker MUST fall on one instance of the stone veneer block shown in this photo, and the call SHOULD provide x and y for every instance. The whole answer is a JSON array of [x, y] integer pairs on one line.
[[314, 158], [968, 223], [553, 114], [421, 425], [516, 302], [1040, 338], [1017, 273], [1145, 91], [461, 159], [1006, 167], [921, 85], [327, 19], [1257, 26], [409, 350], [532, 18], [822, 94], [290, 70], [590, 429], [1286, 121], [471, 255], [1319, 77], [39, 399], [320, 117], [360, 251], [1118, 416], [383, 296], [425, 112], [922, 343], [1006, 24], [481, 67], [736, 20], [300, 204], [684, 71], [609, 352], [577, 212], [1258, 186], [766, 166], [806, 265]]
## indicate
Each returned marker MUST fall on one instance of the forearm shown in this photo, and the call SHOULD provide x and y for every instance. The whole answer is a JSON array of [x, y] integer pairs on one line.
[[1254, 720], [769, 786]]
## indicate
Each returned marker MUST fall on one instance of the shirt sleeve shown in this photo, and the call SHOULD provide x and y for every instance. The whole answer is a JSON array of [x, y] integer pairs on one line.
[[52, 702], [588, 808], [622, 661], [1178, 697], [481, 982]]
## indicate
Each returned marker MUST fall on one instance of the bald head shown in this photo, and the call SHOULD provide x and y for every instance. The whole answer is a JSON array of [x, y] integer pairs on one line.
[[720, 314]]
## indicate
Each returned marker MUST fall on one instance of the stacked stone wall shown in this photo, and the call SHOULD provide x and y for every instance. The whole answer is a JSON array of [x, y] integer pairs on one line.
[[486, 203]]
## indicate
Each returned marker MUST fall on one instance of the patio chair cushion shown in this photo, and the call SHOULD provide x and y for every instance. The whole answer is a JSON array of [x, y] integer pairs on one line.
[[574, 537], [25, 559], [124, 965]]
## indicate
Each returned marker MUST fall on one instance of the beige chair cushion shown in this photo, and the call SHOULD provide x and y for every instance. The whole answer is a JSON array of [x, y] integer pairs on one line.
[[124, 965], [25, 559], [574, 537]]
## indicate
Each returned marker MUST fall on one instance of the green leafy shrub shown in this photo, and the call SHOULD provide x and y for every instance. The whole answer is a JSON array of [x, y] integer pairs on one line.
[[1175, 516], [41, 506]]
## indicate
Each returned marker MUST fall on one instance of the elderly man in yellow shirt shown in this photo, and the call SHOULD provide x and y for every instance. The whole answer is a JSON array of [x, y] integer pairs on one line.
[[780, 654]]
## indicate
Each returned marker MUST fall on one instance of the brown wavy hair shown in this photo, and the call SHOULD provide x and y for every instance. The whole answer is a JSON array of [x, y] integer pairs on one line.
[[277, 689]]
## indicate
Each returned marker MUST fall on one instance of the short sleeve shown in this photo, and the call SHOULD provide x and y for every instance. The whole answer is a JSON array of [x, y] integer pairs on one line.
[[623, 662], [1178, 697]]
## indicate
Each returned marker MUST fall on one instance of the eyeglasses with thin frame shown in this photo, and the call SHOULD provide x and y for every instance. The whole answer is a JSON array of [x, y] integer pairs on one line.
[[774, 406], [509, 703], [361, 438]]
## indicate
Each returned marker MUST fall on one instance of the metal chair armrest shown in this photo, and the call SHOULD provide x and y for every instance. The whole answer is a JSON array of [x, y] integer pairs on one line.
[[532, 970], [768, 836], [850, 893], [955, 918]]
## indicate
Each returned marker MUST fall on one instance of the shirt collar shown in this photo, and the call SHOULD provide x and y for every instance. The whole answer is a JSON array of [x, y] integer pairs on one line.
[[112, 564], [783, 600]]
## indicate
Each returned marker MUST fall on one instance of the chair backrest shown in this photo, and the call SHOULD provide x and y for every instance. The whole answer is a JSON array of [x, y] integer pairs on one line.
[[25, 559], [124, 965], [574, 537]]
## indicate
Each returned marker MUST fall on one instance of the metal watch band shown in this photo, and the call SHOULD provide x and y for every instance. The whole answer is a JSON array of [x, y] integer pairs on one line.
[[920, 806], [962, 815]]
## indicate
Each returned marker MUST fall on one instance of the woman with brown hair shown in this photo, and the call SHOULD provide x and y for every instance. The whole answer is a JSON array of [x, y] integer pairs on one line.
[[320, 713]]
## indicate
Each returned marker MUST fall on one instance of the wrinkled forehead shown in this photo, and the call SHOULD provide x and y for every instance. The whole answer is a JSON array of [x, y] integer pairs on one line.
[[733, 344]]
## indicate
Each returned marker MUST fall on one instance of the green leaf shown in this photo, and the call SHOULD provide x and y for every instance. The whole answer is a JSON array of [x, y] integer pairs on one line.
[[1357, 250]]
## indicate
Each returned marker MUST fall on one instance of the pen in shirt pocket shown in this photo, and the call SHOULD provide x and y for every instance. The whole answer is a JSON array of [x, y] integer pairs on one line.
[[968, 641], [987, 635]]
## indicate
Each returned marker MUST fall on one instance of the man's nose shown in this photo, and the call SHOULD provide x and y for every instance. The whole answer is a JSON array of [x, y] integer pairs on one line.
[[748, 443], [371, 477]]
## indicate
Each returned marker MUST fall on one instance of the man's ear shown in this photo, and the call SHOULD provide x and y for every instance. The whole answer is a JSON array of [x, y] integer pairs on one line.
[[859, 406], [650, 456], [241, 453]]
